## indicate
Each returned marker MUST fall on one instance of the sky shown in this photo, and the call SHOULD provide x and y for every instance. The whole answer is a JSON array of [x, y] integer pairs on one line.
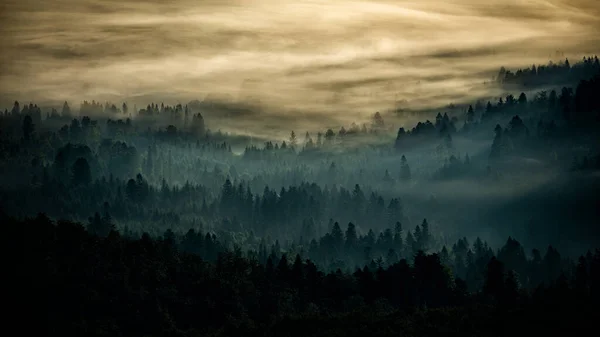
[[326, 61]]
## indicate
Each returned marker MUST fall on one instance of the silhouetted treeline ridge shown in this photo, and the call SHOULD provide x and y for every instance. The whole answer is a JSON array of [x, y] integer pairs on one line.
[[116, 285], [549, 75]]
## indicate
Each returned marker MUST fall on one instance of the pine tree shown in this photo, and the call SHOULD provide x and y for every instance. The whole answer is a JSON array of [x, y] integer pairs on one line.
[[28, 128], [405, 174], [425, 238], [351, 236], [337, 236], [445, 256], [494, 280], [470, 115], [418, 239], [497, 145], [293, 140], [398, 241]]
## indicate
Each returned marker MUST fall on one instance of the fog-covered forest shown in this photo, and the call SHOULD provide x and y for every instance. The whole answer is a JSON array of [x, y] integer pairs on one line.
[[150, 220]]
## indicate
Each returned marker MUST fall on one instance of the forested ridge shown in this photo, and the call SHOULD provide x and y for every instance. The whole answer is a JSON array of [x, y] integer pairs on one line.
[[152, 221], [116, 285]]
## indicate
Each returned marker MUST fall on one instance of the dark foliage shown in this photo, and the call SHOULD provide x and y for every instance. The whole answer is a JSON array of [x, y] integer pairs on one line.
[[91, 285]]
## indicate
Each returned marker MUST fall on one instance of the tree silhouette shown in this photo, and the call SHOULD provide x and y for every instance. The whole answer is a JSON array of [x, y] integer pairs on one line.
[[405, 174], [378, 120], [28, 128], [494, 279], [66, 110], [293, 140], [470, 115]]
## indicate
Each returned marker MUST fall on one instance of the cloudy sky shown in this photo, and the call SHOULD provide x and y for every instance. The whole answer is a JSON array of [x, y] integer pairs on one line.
[[340, 60]]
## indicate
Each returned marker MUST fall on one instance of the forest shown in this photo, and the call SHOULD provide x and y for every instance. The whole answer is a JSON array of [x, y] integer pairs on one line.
[[151, 221]]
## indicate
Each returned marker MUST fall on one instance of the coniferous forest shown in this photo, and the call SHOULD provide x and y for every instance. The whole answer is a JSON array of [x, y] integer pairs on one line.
[[479, 220]]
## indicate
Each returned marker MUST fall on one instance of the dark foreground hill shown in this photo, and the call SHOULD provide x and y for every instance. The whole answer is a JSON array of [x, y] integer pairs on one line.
[[78, 284]]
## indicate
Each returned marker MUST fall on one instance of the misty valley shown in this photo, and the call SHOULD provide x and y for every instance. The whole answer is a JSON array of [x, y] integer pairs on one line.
[[481, 218]]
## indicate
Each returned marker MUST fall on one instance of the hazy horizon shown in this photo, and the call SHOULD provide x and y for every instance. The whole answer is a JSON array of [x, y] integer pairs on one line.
[[334, 61]]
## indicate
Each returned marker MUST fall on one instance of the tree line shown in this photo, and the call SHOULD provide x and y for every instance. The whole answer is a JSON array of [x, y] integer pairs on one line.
[[115, 285]]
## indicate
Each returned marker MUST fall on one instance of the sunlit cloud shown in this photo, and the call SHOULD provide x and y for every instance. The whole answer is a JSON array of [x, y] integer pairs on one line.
[[343, 59]]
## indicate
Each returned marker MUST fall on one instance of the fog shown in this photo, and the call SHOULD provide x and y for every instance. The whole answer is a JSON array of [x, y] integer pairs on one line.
[[302, 63], [302, 168]]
